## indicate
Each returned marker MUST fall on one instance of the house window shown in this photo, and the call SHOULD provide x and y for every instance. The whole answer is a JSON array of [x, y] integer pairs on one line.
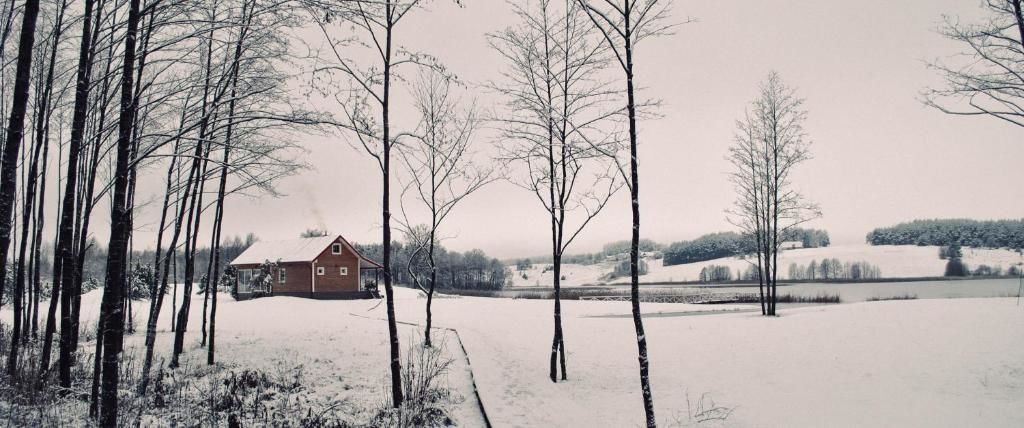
[[320, 270], [244, 278], [336, 248], [281, 277], [344, 271]]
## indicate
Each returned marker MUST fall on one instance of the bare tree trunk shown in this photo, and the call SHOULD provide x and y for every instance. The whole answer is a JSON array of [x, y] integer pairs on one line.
[[634, 250], [63, 248], [112, 321], [219, 216], [396, 364], [15, 133]]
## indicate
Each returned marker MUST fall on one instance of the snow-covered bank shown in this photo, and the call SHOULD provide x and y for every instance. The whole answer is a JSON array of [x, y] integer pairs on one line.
[[894, 261]]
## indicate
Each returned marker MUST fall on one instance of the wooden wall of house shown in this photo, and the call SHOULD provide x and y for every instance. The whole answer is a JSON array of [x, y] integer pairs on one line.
[[332, 280], [297, 278]]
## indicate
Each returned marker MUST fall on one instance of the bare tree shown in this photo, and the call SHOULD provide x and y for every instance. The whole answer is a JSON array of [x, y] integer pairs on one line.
[[769, 144], [987, 77], [15, 132], [440, 168], [556, 107], [111, 319], [369, 26], [623, 26]]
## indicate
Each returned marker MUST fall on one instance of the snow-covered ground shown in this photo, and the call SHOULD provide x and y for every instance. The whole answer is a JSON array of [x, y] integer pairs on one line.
[[942, 362], [895, 261], [954, 362], [340, 349], [575, 275]]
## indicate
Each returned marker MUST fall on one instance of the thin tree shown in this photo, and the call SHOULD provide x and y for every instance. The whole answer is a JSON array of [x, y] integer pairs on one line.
[[440, 168], [15, 132], [556, 105], [623, 26]]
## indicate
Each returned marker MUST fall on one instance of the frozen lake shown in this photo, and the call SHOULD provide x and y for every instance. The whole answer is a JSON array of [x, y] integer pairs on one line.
[[859, 292]]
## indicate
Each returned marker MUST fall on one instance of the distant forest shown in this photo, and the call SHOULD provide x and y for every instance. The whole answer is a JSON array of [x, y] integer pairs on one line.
[[609, 249], [945, 232], [726, 244], [469, 270]]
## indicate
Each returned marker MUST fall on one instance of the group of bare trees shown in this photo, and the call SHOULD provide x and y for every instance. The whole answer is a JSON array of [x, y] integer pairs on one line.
[[770, 142], [564, 123], [196, 87]]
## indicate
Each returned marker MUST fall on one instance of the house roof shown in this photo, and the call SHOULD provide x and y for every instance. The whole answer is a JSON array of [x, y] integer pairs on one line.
[[295, 250]]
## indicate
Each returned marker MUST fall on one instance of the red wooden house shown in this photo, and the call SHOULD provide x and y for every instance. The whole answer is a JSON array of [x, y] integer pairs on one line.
[[323, 267]]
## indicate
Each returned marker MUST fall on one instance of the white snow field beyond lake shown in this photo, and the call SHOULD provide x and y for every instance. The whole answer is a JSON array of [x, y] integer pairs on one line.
[[934, 363], [895, 261]]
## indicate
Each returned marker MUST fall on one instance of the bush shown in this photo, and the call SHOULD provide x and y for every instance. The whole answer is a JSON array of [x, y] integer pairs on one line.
[[956, 267], [424, 386], [897, 297]]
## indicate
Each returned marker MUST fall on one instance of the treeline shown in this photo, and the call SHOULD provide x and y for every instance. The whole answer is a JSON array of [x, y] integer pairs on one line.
[[715, 273], [471, 270], [94, 264], [834, 269], [726, 244], [611, 249], [945, 232]]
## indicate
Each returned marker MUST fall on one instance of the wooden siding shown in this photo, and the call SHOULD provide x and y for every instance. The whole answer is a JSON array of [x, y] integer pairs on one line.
[[332, 280]]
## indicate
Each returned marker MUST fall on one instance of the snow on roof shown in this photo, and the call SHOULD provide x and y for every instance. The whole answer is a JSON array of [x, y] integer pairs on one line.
[[291, 250]]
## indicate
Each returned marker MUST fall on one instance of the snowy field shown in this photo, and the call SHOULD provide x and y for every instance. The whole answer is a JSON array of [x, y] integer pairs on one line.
[[895, 261], [957, 362], [943, 362]]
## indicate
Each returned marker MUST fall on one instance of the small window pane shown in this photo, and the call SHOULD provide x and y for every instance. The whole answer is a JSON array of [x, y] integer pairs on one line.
[[336, 248], [320, 270], [344, 271], [281, 276]]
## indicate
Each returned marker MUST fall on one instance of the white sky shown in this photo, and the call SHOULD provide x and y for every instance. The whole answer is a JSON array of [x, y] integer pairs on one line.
[[880, 156]]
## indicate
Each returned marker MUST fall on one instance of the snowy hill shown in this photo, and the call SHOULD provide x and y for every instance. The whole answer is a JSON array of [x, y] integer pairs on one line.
[[894, 261]]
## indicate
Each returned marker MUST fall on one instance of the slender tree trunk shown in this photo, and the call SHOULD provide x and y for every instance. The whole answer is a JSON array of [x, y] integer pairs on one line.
[[433, 282], [37, 243], [63, 249], [15, 132], [396, 363], [164, 271], [191, 236], [634, 250], [112, 321], [219, 219]]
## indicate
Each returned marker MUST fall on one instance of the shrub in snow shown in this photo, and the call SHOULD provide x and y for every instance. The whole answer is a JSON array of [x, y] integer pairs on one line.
[[428, 399], [956, 267]]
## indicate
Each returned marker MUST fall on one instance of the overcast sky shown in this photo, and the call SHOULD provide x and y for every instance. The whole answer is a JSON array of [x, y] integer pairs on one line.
[[880, 156]]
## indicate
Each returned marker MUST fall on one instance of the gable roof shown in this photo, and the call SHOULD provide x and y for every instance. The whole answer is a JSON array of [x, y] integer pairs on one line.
[[292, 250]]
